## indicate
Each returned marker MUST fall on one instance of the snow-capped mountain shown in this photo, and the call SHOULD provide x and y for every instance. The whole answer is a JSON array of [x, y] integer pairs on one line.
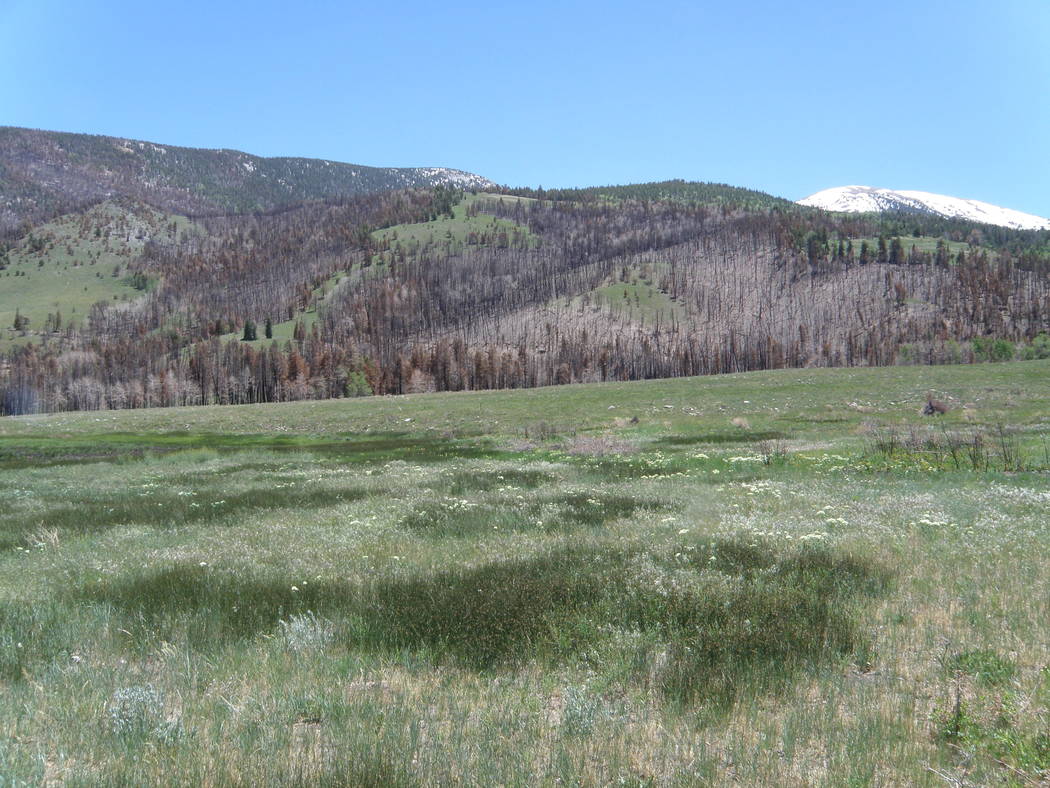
[[856, 199]]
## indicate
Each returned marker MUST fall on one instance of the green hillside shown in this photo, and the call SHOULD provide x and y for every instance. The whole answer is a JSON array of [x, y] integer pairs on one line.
[[462, 226], [55, 273]]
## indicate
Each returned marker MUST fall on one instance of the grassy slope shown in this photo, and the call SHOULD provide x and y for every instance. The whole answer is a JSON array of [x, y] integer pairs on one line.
[[441, 232], [924, 244], [75, 267], [492, 609], [637, 298], [451, 232]]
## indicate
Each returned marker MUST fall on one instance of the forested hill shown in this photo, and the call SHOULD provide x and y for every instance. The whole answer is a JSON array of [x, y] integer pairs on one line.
[[418, 290], [670, 191], [47, 173]]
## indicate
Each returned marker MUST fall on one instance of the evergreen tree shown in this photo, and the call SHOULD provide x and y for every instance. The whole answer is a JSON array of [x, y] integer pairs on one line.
[[269, 328], [942, 253], [249, 331], [865, 253], [896, 251]]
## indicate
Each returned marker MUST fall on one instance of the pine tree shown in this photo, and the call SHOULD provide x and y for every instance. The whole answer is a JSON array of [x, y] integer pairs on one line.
[[896, 251], [865, 253], [249, 331], [269, 328]]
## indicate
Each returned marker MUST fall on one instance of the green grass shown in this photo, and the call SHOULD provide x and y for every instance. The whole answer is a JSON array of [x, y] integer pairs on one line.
[[923, 244], [637, 300], [453, 232], [634, 295], [64, 267], [525, 587]]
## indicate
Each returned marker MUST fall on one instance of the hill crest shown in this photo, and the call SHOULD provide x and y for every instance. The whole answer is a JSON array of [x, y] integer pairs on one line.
[[46, 173]]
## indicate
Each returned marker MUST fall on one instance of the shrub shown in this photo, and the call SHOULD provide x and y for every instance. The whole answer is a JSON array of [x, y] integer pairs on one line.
[[988, 349], [986, 666], [582, 710], [1039, 348], [305, 632]]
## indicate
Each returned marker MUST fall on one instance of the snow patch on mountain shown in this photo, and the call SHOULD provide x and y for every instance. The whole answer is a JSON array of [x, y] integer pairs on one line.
[[855, 199], [443, 176]]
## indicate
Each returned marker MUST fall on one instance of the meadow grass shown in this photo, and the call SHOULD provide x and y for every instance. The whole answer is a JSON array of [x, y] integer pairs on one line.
[[455, 589]]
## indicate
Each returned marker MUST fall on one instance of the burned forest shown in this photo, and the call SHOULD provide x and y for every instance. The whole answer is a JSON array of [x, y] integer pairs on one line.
[[438, 289]]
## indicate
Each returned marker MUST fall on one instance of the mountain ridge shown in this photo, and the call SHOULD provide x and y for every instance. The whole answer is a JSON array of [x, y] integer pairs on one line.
[[46, 173], [858, 199]]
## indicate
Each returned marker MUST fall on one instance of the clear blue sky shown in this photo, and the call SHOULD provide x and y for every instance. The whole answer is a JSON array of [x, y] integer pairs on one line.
[[787, 97]]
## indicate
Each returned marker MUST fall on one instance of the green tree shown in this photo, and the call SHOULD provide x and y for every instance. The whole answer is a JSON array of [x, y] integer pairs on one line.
[[896, 251], [865, 253], [988, 349], [249, 331], [357, 385], [941, 257], [269, 329]]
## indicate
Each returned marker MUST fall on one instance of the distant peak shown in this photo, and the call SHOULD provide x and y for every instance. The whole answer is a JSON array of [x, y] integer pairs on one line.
[[860, 199]]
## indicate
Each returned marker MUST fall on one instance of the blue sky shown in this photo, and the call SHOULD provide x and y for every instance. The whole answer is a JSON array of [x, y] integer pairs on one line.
[[790, 98]]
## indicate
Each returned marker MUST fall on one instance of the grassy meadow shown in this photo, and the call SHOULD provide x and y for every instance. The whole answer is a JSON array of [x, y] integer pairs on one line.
[[778, 578]]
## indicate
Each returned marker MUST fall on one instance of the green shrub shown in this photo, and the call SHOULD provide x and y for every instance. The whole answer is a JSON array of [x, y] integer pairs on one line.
[[987, 667]]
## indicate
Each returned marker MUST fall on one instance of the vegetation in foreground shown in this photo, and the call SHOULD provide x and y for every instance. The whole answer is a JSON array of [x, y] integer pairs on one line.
[[773, 578]]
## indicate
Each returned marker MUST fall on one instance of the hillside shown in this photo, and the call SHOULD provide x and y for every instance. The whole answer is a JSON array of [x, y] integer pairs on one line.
[[52, 277], [720, 194], [180, 292], [433, 290], [46, 173]]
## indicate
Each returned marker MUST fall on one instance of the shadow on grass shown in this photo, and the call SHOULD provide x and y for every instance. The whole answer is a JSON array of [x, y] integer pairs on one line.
[[719, 438], [624, 468], [755, 620], [463, 482], [164, 509], [34, 451], [597, 509], [454, 518]]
